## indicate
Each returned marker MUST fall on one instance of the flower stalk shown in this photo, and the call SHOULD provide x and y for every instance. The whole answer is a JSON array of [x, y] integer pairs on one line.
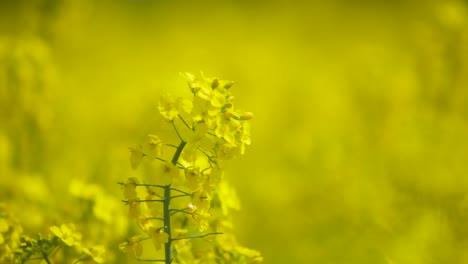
[[213, 132]]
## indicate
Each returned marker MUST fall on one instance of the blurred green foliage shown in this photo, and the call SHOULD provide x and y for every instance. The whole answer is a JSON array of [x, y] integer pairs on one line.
[[360, 145]]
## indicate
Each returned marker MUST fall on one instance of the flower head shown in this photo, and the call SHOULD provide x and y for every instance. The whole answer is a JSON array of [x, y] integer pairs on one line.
[[130, 188], [136, 155], [97, 253], [192, 176], [67, 233], [132, 246], [167, 173], [158, 236], [168, 107], [153, 146]]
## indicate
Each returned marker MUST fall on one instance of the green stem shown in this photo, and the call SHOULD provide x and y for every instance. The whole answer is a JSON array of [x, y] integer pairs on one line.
[[200, 236], [179, 211], [144, 201], [155, 218], [167, 223], [181, 146], [181, 195], [177, 190], [151, 260], [150, 185], [167, 204], [185, 123], [46, 258], [177, 131]]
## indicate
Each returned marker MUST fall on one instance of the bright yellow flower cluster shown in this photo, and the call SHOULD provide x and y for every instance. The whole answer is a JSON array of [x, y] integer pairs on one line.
[[10, 232], [68, 234], [211, 130]]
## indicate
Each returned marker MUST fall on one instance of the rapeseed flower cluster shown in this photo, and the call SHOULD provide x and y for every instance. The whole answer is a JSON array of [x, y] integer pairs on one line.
[[184, 197]]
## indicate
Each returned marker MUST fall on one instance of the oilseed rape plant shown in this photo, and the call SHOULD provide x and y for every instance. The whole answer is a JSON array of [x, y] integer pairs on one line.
[[183, 208], [63, 244]]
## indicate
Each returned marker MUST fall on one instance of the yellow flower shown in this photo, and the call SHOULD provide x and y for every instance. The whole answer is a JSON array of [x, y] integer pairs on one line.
[[212, 179], [192, 81], [168, 107], [200, 218], [132, 246], [96, 253], [153, 146], [195, 139], [167, 173], [192, 176], [144, 223], [134, 207], [227, 151], [158, 236], [201, 200], [243, 137], [67, 234], [136, 155], [3, 225], [250, 254], [246, 116], [226, 127], [130, 188]]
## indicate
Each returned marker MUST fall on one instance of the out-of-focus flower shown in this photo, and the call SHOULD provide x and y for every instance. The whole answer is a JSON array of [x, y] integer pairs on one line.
[[67, 233], [132, 246], [97, 253], [168, 107], [158, 236]]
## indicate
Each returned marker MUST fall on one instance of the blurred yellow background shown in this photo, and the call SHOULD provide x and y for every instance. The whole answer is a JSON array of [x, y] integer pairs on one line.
[[359, 142]]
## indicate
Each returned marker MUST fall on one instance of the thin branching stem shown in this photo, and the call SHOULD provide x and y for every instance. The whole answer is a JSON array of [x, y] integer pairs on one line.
[[55, 250], [185, 123], [177, 131], [174, 211], [78, 260], [144, 201], [46, 258], [205, 169], [155, 218], [181, 195], [151, 260], [170, 145], [177, 190], [150, 185], [167, 220], [204, 153], [154, 157], [199, 236]]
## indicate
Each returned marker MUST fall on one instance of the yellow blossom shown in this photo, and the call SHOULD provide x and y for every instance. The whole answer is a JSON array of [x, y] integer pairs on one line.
[[167, 173], [168, 107], [132, 246], [200, 218], [97, 253], [201, 200], [158, 236], [130, 188], [136, 155], [144, 223], [134, 207], [153, 146], [192, 176], [67, 234], [252, 255]]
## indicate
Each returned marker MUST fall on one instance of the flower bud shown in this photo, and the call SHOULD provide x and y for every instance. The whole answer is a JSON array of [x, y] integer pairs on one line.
[[215, 83], [246, 116]]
